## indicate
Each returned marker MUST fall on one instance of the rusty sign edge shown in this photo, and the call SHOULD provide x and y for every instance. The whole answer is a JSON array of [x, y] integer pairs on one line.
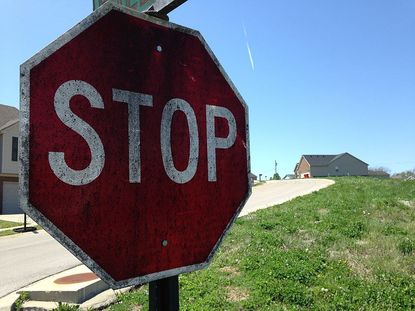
[[24, 159], [91, 19]]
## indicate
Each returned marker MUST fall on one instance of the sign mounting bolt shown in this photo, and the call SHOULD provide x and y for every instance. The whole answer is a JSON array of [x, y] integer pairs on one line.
[[159, 48], [164, 243]]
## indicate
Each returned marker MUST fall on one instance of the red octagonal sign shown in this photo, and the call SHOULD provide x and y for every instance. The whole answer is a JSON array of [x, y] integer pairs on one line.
[[134, 146]]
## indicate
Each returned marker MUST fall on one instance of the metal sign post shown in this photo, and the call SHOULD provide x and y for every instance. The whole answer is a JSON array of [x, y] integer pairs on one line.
[[138, 5], [25, 228], [162, 7], [164, 294]]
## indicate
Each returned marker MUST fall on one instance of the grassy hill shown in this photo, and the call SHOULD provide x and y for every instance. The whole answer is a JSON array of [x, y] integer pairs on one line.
[[350, 246]]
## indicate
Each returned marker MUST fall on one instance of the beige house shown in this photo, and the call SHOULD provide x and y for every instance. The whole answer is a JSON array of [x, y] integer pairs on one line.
[[252, 178], [343, 164], [9, 168]]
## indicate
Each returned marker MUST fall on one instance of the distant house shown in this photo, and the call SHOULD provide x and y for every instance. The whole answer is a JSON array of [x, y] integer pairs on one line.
[[9, 136], [289, 176], [343, 164], [252, 178]]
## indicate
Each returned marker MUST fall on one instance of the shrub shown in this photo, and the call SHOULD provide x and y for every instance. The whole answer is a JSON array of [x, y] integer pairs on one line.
[[406, 246]]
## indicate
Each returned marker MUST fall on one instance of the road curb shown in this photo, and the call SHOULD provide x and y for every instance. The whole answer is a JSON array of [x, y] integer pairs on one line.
[[98, 301], [7, 302]]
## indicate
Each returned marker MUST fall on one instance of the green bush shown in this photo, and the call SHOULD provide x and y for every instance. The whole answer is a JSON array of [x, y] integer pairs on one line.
[[406, 246]]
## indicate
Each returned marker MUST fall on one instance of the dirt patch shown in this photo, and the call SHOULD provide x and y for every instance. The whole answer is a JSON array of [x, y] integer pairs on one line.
[[303, 238], [354, 261], [236, 294], [230, 271], [323, 211], [250, 216], [408, 203], [137, 308]]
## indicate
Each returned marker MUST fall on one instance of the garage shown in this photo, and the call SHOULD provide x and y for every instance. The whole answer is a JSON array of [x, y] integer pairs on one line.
[[11, 198]]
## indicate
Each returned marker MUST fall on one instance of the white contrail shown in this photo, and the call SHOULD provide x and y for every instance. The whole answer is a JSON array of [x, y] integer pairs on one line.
[[245, 33], [250, 56], [248, 48]]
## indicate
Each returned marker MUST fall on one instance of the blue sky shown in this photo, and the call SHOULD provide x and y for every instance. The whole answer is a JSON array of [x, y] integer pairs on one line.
[[321, 77]]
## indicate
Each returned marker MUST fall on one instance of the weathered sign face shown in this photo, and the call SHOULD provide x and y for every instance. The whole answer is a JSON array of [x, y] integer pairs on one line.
[[163, 6], [134, 146]]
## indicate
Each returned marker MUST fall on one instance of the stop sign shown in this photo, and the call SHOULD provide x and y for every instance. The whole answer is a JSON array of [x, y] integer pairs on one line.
[[134, 146]]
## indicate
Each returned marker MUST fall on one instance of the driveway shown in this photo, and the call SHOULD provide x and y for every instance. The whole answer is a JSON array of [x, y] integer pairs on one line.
[[279, 191]]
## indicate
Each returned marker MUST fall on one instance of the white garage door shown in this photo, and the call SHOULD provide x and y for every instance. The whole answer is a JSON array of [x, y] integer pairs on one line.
[[11, 198]]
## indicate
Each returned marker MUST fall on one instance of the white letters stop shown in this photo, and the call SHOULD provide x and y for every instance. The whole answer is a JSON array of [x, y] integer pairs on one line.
[[134, 100]]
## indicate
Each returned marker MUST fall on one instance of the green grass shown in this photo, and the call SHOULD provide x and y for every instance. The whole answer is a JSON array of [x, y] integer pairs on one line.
[[350, 246], [7, 232], [11, 232], [66, 307], [23, 297], [8, 224]]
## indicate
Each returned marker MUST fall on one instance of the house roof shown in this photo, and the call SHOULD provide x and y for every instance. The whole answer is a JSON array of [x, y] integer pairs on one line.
[[320, 159], [289, 176], [325, 159], [8, 124], [7, 114]]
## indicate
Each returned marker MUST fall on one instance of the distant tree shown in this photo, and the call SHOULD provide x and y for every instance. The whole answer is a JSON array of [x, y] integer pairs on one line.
[[405, 174], [379, 172], [276, 176]]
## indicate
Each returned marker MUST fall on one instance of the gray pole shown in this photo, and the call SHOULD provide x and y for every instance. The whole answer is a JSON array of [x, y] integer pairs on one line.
[[164, 294]]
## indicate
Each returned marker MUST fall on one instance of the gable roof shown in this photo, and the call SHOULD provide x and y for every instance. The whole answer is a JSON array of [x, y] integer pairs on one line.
[[8, 124], [7, 114], [325, 159], [320, 159]]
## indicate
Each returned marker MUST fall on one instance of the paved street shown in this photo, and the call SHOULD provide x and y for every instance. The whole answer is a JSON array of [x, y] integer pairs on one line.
[[279, 191], [29, 257]]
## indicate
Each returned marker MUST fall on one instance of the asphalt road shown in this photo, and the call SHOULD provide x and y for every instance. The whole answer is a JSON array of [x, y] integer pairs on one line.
[[279, 191], [29, 257]]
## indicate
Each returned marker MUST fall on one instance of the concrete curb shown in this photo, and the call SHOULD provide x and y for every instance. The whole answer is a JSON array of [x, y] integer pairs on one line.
[[12, 228], [100, 301], [7, 302], [96, 292]]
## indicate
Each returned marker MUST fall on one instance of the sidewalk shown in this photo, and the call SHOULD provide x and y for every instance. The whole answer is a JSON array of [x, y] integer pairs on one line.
[[76, 286]]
